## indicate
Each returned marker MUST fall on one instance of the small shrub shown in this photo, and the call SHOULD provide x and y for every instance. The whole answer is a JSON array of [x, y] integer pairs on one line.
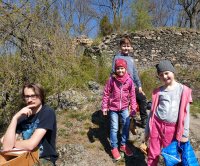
[[103, 70], [149, 81], [195, 107], [105, 26]]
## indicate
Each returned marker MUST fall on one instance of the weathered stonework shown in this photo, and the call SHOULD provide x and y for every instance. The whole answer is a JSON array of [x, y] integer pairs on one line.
[[182, 47]]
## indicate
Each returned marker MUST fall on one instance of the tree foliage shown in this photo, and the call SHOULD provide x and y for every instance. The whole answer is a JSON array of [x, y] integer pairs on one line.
[[105, 26], [40, 50], [142, 17], [115, 10]]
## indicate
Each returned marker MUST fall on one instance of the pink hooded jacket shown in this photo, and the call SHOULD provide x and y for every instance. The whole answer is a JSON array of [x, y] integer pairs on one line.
[[119, 94], [185, 99]]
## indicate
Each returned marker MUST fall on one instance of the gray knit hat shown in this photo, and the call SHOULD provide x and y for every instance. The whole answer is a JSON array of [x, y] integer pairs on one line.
[[165, 65]]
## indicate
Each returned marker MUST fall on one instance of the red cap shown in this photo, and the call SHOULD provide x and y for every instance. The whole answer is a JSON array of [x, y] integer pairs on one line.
[[120, 63]]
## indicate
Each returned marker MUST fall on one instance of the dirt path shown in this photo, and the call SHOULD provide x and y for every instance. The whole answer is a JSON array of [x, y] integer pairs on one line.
[[195, 125], [86, 143], [195, 133]]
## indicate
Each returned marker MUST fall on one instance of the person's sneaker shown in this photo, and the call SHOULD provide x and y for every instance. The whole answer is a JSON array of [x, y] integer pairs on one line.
[[126, 150], [116, 154]]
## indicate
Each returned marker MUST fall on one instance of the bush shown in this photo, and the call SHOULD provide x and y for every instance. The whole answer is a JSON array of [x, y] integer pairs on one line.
[[149, 81], [105, 26], [55, 72]]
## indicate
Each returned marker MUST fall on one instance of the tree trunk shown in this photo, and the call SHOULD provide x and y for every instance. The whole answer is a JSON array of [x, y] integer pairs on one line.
[[193, 22]]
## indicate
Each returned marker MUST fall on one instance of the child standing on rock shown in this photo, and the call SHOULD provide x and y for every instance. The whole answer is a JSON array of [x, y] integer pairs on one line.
[[119, 92], [124, 53], [169, 116]]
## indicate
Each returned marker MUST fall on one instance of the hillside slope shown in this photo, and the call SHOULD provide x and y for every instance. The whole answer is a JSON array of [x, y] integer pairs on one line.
[[83, 138]]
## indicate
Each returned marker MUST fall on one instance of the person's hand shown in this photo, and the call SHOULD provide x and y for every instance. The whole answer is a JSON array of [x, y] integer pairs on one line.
[[133, 114], [184, 139], [24, 111], [141, 91], [105, 112]]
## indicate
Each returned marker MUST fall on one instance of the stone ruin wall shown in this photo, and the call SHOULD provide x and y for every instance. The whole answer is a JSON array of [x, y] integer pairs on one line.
[[182, 47]]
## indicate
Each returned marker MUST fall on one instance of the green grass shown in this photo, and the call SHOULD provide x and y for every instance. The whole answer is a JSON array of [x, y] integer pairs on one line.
[[68, 124], [79, 116], [62, 132], [195, 107]]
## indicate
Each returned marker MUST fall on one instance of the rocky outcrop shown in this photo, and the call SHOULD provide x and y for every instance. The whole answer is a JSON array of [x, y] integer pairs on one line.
[[83, 40], [74, 100], [182, 47], [69, 99]]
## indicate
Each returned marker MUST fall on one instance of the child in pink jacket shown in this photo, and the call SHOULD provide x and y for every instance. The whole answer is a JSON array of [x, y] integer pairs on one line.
[[119, 93], [169, 116]]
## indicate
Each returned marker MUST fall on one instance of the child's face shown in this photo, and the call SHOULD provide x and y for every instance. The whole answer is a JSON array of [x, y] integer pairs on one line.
[[167, 77], [125, 48], [120, 71]]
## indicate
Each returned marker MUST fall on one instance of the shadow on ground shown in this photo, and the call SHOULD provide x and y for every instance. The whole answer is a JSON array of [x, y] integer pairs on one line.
[[101, 133]]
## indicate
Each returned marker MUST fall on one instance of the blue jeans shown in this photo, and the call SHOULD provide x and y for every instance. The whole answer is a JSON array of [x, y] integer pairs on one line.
[[114, 127]]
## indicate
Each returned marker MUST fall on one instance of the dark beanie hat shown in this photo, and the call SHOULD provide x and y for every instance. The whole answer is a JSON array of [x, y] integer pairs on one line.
[[165, 65], [120, 63]]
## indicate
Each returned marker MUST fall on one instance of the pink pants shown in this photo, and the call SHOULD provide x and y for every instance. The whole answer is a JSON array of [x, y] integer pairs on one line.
[[161, 135]]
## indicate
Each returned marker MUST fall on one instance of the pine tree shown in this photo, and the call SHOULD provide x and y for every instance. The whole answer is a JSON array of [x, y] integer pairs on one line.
[[105, 26]]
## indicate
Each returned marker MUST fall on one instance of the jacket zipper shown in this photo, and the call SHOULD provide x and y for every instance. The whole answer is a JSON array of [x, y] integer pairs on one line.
[[120, 103]]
